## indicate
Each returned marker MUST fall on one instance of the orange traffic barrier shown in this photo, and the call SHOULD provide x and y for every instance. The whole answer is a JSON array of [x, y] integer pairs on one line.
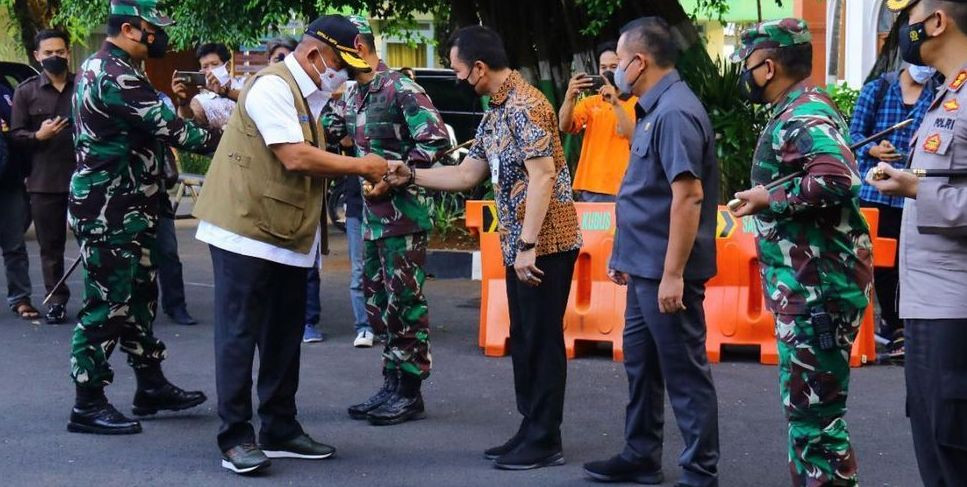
[[734, 305], [735, 308], [595, 310]]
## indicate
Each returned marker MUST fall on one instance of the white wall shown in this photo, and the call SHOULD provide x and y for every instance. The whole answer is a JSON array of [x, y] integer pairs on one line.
[[861, 39]]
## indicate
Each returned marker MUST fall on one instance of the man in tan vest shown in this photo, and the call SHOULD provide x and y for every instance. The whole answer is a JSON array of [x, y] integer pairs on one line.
[[260, 214]]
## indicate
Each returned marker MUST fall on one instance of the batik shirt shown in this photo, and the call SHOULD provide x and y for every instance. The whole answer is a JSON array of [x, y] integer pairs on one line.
[[522, 125]]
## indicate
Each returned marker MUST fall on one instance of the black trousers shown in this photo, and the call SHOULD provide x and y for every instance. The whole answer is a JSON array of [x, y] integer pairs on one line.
[[936, 374], [49, 211], [537, 346], [170, 279], [258, 306], [667, 351], [886, 281]]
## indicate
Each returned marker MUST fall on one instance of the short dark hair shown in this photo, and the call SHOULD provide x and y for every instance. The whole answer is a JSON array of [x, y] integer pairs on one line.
[[51, 34], [607, 46], [114, 23], [478, 43], [956, 10], [796, 61], [286, 42], [369, 40], [214, 48], [654, 36]]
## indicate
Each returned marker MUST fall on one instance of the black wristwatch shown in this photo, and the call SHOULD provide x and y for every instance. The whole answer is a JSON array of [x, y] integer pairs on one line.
[[523, 246]]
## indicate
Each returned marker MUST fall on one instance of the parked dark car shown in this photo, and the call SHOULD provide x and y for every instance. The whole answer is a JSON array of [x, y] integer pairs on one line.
[[459, 108]]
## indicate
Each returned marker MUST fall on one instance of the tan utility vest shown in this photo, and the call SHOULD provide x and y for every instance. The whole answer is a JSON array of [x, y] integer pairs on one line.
[[250, 193]]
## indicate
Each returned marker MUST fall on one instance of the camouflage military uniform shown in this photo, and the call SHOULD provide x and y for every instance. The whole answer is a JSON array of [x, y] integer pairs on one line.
[[815, 254], [392, 117], [121, 130]]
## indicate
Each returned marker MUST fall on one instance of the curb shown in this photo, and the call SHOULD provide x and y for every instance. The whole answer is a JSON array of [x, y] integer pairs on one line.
[[453, 264]]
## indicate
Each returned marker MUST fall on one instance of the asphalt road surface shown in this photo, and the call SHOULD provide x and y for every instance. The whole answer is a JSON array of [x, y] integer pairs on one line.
[[469, 400]]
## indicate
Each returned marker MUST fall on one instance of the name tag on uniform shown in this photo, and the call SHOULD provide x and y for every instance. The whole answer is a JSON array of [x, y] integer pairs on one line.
[[494, 162]]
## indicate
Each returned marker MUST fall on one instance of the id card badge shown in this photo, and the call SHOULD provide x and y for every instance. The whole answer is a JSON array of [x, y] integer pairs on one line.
[[494, 163]]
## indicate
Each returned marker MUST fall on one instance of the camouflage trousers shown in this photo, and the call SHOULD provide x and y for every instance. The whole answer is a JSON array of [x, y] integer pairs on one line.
[[813, 385], [120, 299], [395, 306]]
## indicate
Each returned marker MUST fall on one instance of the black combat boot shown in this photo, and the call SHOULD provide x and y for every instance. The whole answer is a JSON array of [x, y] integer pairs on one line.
[[155, 393], [404, 405], [93, 414], [391, 382]]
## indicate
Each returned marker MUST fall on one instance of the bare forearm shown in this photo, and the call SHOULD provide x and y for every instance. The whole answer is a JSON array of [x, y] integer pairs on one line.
[[686, 211], [566, 115], [446, 178], [626, 126], [539, 189], [317, 162]]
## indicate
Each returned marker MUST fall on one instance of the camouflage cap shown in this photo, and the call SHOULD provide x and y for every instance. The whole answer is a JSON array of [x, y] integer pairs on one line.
[[361, 23], [901, 5], [145, 9], [770, 35]]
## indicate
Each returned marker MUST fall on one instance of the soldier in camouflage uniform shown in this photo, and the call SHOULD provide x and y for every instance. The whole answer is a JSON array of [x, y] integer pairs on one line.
[[813, 244], [120, 132], [389, 115]]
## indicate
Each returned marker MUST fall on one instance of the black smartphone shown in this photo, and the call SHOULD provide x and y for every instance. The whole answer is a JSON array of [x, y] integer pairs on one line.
[[597, 82], [191, 78]]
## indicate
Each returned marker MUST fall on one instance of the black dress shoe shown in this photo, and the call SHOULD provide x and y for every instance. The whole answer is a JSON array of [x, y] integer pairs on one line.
[[390, 384], [398, 409], [181, 317], [244, 459], [56, 314], [166, 397], [302, 446], [102, 419], [513, 442], [528, 456], [617, 469]]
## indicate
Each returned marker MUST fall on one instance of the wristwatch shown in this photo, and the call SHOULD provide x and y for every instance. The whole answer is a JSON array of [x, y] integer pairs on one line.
[[524, 246]]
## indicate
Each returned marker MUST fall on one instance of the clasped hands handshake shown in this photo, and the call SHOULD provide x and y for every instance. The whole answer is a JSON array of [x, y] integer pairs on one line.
[[395, 175]]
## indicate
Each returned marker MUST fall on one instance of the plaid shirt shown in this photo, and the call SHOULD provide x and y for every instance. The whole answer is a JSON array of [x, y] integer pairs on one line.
[[878, 108]]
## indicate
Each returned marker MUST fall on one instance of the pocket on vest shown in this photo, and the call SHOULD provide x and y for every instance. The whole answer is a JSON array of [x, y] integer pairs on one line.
[[283, 210]]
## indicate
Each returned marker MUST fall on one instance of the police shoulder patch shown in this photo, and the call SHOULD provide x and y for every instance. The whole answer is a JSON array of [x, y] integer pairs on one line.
[[932, 144]]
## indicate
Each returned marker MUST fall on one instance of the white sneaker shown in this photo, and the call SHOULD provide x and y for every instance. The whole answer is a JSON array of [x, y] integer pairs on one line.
[[364, 339]]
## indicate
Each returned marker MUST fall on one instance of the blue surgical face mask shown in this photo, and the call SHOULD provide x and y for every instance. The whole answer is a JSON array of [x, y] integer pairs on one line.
[[620, 78], [921, 74]]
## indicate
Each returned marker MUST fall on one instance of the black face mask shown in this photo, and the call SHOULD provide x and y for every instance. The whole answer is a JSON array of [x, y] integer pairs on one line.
[[912, 37], [751, 91], [55, 65], [466, 86], [159, 47], [279, 58]]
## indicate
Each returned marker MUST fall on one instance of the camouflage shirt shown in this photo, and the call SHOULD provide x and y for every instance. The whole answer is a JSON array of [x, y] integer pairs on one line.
[[392, 117], [121, 130], [814, 244]]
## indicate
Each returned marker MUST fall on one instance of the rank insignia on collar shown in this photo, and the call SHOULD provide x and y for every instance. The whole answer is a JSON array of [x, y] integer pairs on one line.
[[932, 144], [951, 105], [959, 81]]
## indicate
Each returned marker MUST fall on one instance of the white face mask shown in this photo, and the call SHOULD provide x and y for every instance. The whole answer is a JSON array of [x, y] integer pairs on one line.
[[921, 74], [331, 79], [221, 73]]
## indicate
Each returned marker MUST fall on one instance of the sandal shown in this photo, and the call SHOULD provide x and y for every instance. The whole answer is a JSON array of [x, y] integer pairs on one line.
[[26, 311]]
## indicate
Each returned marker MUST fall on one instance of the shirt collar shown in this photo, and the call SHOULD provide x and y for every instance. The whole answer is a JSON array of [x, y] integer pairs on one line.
[[794, 92], [45, 80], [379, 79], [647, 103], [302, 79], [512, 81], [115, 51]]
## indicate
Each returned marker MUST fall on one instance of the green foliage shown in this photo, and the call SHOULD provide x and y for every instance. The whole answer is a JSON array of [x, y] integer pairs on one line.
[[844, 97], [194, 163], [447, 212], [737, 123]]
